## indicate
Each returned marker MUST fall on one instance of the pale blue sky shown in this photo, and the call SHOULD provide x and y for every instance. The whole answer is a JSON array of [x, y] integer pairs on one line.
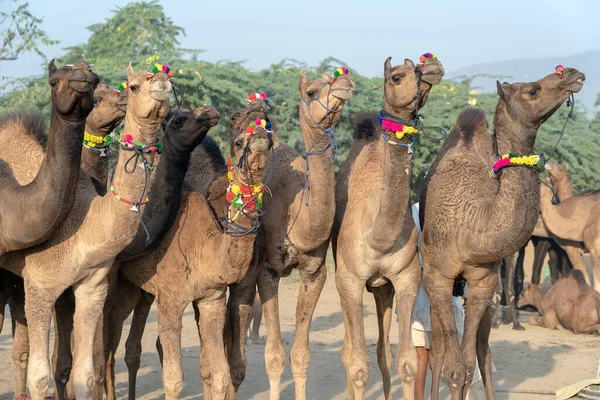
[[362, 33]]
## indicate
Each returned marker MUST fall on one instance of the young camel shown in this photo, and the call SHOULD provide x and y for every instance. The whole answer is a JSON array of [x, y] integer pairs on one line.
[[570, 303], [105, 116], [473, 217], [34, 202], [576, 219], [82, 251], [185, 129], [296, 226], [198, 259], [374, 240]]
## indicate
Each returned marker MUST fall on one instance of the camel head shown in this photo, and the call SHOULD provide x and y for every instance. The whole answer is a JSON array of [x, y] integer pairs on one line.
[[109, 110], [532, 296], [400, 89], [532, 103], [250, 142], [188, 128], [557, 172], [148, 98], [72, 89], [323, 99]]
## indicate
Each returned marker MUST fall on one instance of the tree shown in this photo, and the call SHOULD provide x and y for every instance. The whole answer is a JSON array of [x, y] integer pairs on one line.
[[20, 31]]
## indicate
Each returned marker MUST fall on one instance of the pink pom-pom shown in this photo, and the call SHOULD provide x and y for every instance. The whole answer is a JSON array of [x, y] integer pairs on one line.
[[263, 95], [128, 139]]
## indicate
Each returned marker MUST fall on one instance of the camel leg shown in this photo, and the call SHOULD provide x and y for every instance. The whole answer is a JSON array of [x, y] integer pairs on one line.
[[122, 299], [406, 285], [480, 294], [436, 355], [20, 347], [511, 266], [484, 354], [540, 249], [133, 345], [311, 285], [90, 296], [384, 301], [62, 358], [354, 351], [169, 315], [38, 308], [214, 368], [519, 273], [439, 290], [268, 286], [496, 318], [239, 307], [575, 253]]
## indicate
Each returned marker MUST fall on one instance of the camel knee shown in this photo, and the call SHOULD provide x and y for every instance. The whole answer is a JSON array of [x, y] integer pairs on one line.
[[359, 373], [218, 381], [275, 360], [20, 359], [173, 387], [300, 360], [237, 372], [133, 354]]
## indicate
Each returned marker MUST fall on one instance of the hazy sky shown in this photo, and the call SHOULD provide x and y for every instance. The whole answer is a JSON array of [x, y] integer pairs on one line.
[[361, 33]]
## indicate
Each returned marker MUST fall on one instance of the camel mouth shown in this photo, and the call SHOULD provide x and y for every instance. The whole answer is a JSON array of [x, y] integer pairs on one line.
[[207, 114], [575, 83], [343, 88], [259, 144], [160, 95]]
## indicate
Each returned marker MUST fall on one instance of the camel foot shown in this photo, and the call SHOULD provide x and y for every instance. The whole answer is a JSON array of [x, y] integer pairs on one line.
[[518, 327]]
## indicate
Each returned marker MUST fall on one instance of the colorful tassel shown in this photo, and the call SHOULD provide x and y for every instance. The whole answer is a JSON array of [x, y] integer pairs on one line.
[[339, 72], [261, 95], [162, 68], [560, 70], [123, 86], [426, 56]]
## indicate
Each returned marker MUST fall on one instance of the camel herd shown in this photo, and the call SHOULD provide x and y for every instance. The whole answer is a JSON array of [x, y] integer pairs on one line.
[[90, 242]]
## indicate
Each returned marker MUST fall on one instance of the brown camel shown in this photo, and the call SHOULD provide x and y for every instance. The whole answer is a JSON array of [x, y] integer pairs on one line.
[[570, 303], [81, 252], [296, 226], [576, 219], [374, 237], [184, 131], [49, 188], [563, 189], [473, 216], [197, 260], [106, 114]]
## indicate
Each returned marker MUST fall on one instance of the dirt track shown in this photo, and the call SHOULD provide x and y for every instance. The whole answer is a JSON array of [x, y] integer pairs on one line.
[[534, 359]]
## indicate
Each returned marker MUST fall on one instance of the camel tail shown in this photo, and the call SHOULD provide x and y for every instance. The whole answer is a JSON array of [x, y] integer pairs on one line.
[[365, 125], [470, 121]]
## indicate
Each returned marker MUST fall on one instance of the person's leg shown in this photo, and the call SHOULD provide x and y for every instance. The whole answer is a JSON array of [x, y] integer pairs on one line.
[[422, 361], [256, 318]]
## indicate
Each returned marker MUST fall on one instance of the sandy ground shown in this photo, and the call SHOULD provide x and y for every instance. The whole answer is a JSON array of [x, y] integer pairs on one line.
[[534, 359]]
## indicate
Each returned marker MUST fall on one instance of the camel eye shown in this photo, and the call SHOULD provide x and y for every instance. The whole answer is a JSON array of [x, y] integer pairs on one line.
[[310, 93], [134, 88], [238, 143], [234, 118], [533, 92], [54, 83], [396, 78]]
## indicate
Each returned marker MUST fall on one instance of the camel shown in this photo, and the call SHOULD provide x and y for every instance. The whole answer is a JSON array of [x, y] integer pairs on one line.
[[374, 237], [570, 303], [48, 189], [573, 250], [104, 117], [185, 129], [576, 219], [478, 208], [83, 249], [296, 226], [199, 257]]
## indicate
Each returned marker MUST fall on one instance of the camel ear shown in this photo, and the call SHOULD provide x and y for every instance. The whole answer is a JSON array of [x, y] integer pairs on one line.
[[232, 109], [303, 83], [51, 67], [327, 77], [408, 62], [502, 89], [130, 72], [387, 67]]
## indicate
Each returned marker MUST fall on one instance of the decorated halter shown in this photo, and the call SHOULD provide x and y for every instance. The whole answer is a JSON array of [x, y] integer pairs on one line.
[[256, 96], [514, 160], [560, 70], [162, 68], [339, 72], [122, 86]]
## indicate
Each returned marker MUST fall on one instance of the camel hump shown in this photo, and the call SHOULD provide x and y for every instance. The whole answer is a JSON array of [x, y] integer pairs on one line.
[[470, 121], [31, 122], [365, 125]]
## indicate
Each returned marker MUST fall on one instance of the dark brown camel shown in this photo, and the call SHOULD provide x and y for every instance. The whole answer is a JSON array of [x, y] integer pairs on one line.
[[570, 303], [472, 218], [35, 204]]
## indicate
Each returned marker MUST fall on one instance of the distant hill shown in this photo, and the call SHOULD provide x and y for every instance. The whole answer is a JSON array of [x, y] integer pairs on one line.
[[530, 70]]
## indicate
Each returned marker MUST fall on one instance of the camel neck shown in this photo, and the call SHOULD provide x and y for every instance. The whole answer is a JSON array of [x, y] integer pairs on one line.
[[567, 226], [393, 199], [563, 188]]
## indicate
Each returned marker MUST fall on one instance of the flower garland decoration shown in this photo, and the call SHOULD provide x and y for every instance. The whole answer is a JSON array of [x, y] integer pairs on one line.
[[399, 129], [560, 70], [95, 141], [123, 86], [162, 68], [339, 72], [533, 161], [426, 56], [245, 196], [255, 96]]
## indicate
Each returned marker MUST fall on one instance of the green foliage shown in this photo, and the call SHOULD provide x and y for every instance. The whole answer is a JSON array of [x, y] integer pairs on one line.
[[142, 34], [20, 31]]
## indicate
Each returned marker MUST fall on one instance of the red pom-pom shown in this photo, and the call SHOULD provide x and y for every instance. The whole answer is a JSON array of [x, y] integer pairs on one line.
[[252, 96]]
